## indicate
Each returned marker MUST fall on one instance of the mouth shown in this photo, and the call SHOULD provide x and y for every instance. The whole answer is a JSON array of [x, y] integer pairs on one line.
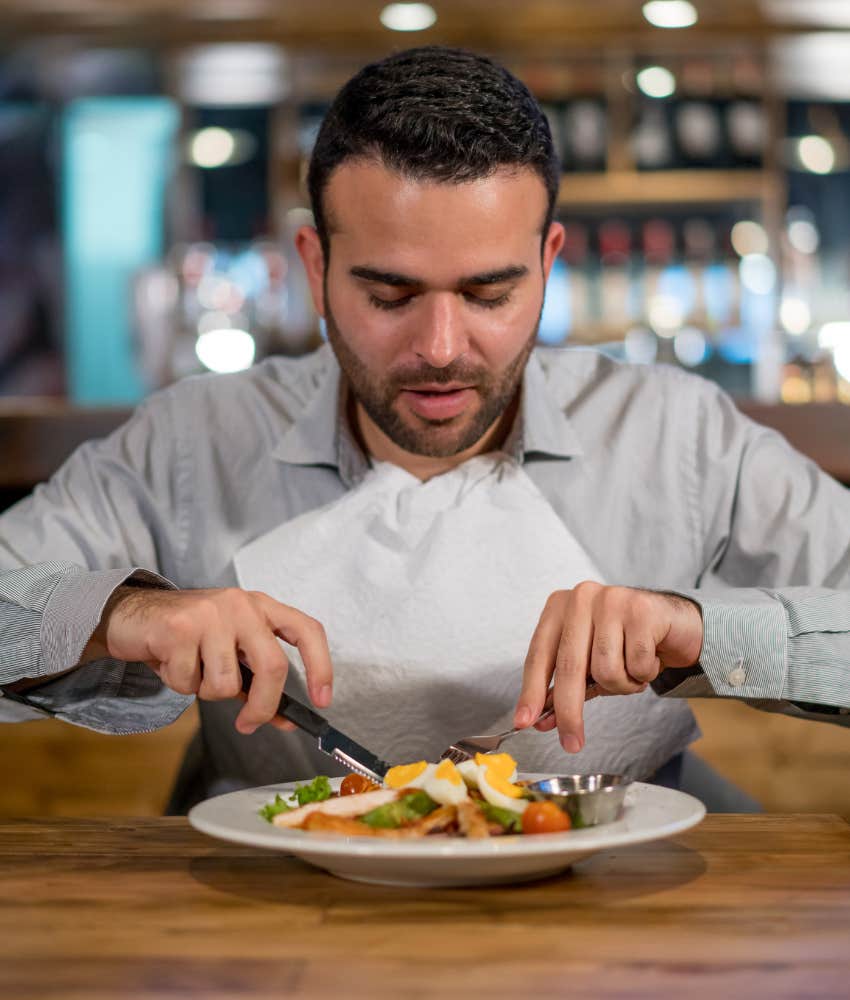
[[434, 388], [438, 402]]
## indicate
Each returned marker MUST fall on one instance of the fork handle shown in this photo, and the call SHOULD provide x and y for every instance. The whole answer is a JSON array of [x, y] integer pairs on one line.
[[548, 707], [549, 704]]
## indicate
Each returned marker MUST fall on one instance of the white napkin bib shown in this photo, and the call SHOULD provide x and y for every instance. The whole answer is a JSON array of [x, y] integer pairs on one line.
[[429, 594]]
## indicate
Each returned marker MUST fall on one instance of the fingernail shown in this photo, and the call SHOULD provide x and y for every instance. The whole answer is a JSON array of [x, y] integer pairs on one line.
[[324, 696], [571, 743], [523, 716]]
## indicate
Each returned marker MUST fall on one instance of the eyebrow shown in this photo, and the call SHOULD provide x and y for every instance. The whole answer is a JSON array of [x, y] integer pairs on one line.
[[497, 277]]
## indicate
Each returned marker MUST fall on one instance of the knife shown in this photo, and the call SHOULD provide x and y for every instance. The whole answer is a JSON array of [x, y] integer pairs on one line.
[[329, 740]]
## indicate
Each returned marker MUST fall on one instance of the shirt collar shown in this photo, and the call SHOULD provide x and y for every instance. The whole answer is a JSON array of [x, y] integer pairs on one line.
[[542, 428], [321, 434], [313, 437]]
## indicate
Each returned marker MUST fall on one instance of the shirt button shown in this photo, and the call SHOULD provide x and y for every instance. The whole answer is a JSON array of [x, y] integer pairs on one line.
[[736, 677]]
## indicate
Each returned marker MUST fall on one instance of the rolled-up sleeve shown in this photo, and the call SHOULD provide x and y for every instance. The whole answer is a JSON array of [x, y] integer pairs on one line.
[[775, 591], [63, 551]]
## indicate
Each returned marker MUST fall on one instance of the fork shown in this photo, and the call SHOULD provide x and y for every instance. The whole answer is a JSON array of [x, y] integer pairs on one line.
[[468, 747]]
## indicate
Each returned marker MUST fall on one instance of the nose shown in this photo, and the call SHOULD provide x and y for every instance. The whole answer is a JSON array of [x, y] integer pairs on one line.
[[440, 336]]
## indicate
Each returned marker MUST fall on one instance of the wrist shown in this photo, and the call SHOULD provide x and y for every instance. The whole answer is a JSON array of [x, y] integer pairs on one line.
[[98, 645]]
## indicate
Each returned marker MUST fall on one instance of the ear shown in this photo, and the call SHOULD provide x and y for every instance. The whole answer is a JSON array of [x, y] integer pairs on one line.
[[309, 248], [552, 247]]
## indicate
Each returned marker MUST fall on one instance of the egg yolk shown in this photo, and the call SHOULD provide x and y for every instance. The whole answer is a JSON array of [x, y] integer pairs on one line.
[[403, 774], [501, 763], [499, 783], [446, 771]]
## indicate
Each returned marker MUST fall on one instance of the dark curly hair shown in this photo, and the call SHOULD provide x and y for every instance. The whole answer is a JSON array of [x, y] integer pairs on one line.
[[434, 113]]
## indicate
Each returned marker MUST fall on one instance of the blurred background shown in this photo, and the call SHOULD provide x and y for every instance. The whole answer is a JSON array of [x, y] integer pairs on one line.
[[152, 164]]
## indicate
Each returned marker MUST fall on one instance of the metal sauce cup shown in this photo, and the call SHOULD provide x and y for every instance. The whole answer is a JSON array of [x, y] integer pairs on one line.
[[588, 799]]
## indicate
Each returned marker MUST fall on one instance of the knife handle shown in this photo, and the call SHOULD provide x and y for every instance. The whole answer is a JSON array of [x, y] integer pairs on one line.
[[303, 717]]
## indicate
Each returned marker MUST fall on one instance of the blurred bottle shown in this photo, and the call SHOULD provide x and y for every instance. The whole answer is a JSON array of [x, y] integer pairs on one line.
[[617, 302], [746, 128], [579, 279], [699, 242], [660, 312], [651, 140], [555, 117], [585, 135], [721, 293], [699, 134]]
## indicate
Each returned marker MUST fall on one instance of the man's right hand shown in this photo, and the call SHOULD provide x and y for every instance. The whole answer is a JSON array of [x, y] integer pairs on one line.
[[194, 639]]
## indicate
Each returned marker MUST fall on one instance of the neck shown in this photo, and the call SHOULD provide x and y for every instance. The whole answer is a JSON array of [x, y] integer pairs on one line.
[[378, 446]]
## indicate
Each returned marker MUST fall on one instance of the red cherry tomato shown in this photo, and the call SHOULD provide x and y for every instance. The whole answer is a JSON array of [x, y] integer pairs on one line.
[[544, 817], [353, 784]]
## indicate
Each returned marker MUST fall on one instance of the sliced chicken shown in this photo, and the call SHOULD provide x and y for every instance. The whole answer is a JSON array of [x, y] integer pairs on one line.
[[438, 821], [471, 820], [319, 822], [343, 805]]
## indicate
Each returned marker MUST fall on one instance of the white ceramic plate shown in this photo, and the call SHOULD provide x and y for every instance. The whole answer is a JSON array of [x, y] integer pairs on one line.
[[651, 812]]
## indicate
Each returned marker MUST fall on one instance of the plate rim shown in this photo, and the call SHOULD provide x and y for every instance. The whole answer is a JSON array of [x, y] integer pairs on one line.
[[302, 842]]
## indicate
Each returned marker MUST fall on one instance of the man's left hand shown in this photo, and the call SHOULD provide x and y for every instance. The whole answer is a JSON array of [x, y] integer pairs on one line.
[[618, 637]]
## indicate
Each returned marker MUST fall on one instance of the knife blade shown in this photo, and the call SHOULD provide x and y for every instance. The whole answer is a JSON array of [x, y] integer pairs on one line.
[[329, 740]]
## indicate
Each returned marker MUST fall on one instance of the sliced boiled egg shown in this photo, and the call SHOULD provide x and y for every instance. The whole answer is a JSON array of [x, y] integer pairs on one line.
[[409, 775], [501, 763], [468, 770], [499, 791], [445, 785]]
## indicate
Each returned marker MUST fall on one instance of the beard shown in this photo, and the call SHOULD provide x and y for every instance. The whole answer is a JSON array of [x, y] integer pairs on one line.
[[430, 438]]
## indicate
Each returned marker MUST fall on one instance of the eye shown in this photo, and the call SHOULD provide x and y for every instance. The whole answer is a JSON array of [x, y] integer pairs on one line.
[[485, 303], [379, 303]]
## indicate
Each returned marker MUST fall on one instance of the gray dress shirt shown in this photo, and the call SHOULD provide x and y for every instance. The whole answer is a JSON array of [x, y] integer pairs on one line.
[[655, 473]]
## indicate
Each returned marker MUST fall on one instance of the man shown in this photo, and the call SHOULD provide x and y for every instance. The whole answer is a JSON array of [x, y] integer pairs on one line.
[[421, 490]]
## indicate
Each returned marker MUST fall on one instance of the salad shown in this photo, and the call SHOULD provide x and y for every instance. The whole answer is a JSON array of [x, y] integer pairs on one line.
[[477, 798]]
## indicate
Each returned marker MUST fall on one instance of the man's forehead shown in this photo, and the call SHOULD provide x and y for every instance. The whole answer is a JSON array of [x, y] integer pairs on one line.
[[368, 199]]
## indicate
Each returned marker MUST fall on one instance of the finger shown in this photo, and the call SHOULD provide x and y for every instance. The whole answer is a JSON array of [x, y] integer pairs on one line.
[[182, 671], [547, 725], [220, 668], [308, 636], [607, 658], [642, 662], [572, 666], [607, 665], [284, 725], [540, 661], [266, 660]]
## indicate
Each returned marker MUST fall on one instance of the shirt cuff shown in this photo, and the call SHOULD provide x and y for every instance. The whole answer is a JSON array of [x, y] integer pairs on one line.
[[745, 643], [73, 612], [110, 696], [14, 710]]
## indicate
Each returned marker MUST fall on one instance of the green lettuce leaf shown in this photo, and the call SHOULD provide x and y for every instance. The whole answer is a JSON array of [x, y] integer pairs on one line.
[[510, 821], [407, 809], [271, 809], [318, 790]]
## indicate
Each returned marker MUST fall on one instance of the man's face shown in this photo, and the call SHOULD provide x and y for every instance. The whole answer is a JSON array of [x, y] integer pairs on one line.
[[432, 298]]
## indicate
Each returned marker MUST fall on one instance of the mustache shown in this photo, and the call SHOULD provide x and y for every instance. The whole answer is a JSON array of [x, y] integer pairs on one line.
[[426, 375]]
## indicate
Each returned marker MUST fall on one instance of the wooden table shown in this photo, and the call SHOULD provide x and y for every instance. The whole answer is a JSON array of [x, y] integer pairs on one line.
[[755, 906]]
